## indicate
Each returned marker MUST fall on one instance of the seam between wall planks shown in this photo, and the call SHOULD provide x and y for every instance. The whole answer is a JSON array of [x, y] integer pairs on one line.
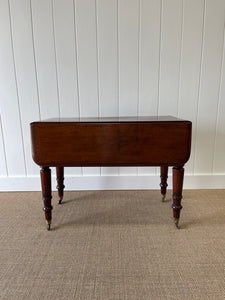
[[219, 99], [76, 58], [56, 66], [160, 53], [16, 85], [139, 67], [1, 130], [97, 61], [97, 54], [139, 47], [35, 62], [118, 64], [181, 52], [199, 85]]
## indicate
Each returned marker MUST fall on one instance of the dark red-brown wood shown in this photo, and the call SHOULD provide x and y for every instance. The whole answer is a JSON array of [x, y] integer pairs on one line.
[[60, 186], [111, 144], [130, 141], [163, 184], [47, 194], [178, 176]]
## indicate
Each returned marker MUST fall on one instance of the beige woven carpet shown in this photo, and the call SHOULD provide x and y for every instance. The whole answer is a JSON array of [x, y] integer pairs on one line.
[[112, 245]]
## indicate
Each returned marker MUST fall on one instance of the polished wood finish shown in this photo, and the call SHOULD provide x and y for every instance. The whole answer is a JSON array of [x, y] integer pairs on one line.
[[60, 186], [126, 141], [163, 184], [47, 194], [178, 176], [111, 144]]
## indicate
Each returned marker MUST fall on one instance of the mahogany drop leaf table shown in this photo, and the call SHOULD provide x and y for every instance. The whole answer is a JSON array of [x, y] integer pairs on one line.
[[123, 141]]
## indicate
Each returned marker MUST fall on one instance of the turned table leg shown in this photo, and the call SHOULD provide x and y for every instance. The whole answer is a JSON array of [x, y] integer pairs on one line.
[[178, 175], [47, 194], [163, 184], [60, 186]]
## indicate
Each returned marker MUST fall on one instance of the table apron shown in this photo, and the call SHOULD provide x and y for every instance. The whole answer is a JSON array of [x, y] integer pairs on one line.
[[111, 144]]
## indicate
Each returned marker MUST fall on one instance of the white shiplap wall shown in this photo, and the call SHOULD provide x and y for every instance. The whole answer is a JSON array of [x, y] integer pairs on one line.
[[85, 58]]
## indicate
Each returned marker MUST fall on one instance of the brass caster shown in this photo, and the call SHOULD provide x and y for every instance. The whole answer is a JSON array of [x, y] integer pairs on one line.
[[60, 200], [163, 197], [48, 225], [176, 222]]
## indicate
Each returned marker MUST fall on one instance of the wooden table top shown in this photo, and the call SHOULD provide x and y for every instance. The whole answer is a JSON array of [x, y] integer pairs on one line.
[[131, 119]]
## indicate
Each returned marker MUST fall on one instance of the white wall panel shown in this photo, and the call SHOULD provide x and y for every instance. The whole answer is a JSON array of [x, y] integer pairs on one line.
[[219, 149], [149, 51], [128, 22], [9, 105], [42, 15], [150, 19], [85, 16], [170, 54], [128, 29], [65, 44], [3, 166], [86, 32], [209, 85], [112, 58], [108, 63], [25, 73], [170, 57], [190, 68], [66, 60], [107, 57]]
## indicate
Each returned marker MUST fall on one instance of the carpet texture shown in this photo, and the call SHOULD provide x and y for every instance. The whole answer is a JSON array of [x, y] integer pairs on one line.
[[112, 245]]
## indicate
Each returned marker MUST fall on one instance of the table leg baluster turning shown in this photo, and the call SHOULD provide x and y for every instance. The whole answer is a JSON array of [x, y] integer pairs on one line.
[[178, 176], [163, 184], [47, 194], [60, 179]]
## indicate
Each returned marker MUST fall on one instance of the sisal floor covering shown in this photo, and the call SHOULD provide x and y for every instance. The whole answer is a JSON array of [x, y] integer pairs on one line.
[[112, 245]]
